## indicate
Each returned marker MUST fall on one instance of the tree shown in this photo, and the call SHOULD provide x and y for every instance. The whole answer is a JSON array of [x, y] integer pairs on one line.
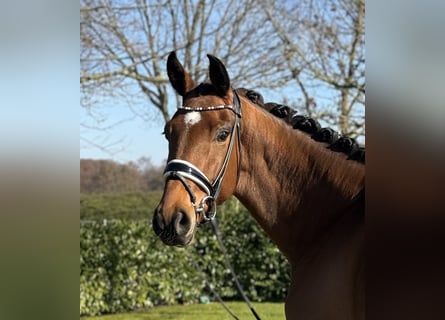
[[101, 176], [124, 45], [315, 46], [323, 44], [153, 176]]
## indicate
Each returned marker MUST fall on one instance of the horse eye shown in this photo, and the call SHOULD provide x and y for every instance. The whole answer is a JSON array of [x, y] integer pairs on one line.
[[222, 135]]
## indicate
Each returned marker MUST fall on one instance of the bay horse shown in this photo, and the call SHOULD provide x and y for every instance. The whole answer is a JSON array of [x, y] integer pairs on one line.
[[308, 198]]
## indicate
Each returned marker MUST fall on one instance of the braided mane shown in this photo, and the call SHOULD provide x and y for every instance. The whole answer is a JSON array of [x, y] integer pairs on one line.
[[335, 141]]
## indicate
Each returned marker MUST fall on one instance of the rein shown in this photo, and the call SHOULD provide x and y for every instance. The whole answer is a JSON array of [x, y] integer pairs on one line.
[[232, 271], [182, 170]]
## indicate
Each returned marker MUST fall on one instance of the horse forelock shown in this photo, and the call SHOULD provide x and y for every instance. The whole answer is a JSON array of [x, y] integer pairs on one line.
[[202, 89], [205, 95]]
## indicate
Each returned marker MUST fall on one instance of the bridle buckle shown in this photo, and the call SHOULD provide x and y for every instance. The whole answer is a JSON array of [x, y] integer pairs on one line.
[[210, 213]]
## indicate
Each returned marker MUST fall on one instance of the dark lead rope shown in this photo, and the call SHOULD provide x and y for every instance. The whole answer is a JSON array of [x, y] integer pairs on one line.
[[234, 276], [216, 295]]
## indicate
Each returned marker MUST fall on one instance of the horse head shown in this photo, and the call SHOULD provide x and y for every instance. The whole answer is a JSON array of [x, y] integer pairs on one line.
[[204, 154]]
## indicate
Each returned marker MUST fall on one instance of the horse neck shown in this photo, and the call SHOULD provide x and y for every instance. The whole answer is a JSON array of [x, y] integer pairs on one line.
[[293, 186]]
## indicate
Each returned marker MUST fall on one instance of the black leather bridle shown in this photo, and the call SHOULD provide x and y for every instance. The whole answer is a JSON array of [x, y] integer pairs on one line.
[[183, 170]]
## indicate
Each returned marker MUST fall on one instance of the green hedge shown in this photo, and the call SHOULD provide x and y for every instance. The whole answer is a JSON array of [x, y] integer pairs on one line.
[[123, 266], [131, 205]]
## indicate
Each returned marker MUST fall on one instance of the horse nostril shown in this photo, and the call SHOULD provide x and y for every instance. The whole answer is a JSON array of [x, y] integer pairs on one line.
[[181, 222], [158, 222]]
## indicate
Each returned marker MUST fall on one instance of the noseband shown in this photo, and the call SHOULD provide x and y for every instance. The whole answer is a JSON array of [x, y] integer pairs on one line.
[[182, 170]]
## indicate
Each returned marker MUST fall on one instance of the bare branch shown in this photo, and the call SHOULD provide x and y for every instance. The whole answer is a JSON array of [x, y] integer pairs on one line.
[[316, 46], [323, 44]]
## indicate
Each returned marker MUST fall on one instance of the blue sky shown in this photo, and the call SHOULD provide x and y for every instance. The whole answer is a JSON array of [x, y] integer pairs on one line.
[[132, 137], [136, 138], [127, 141]]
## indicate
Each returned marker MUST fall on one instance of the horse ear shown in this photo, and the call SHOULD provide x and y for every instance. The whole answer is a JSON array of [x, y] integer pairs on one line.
[[218, 75], [179, 78]]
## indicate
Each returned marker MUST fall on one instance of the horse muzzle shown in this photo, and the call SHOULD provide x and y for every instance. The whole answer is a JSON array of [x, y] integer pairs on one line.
[[179, 231]]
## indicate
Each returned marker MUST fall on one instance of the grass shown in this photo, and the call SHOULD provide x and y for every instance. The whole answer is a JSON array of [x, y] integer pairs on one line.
[[211, 311]]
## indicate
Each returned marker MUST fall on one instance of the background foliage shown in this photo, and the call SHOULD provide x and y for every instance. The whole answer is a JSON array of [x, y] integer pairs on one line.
[[123, 266], [107, 176], [126, 205]]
